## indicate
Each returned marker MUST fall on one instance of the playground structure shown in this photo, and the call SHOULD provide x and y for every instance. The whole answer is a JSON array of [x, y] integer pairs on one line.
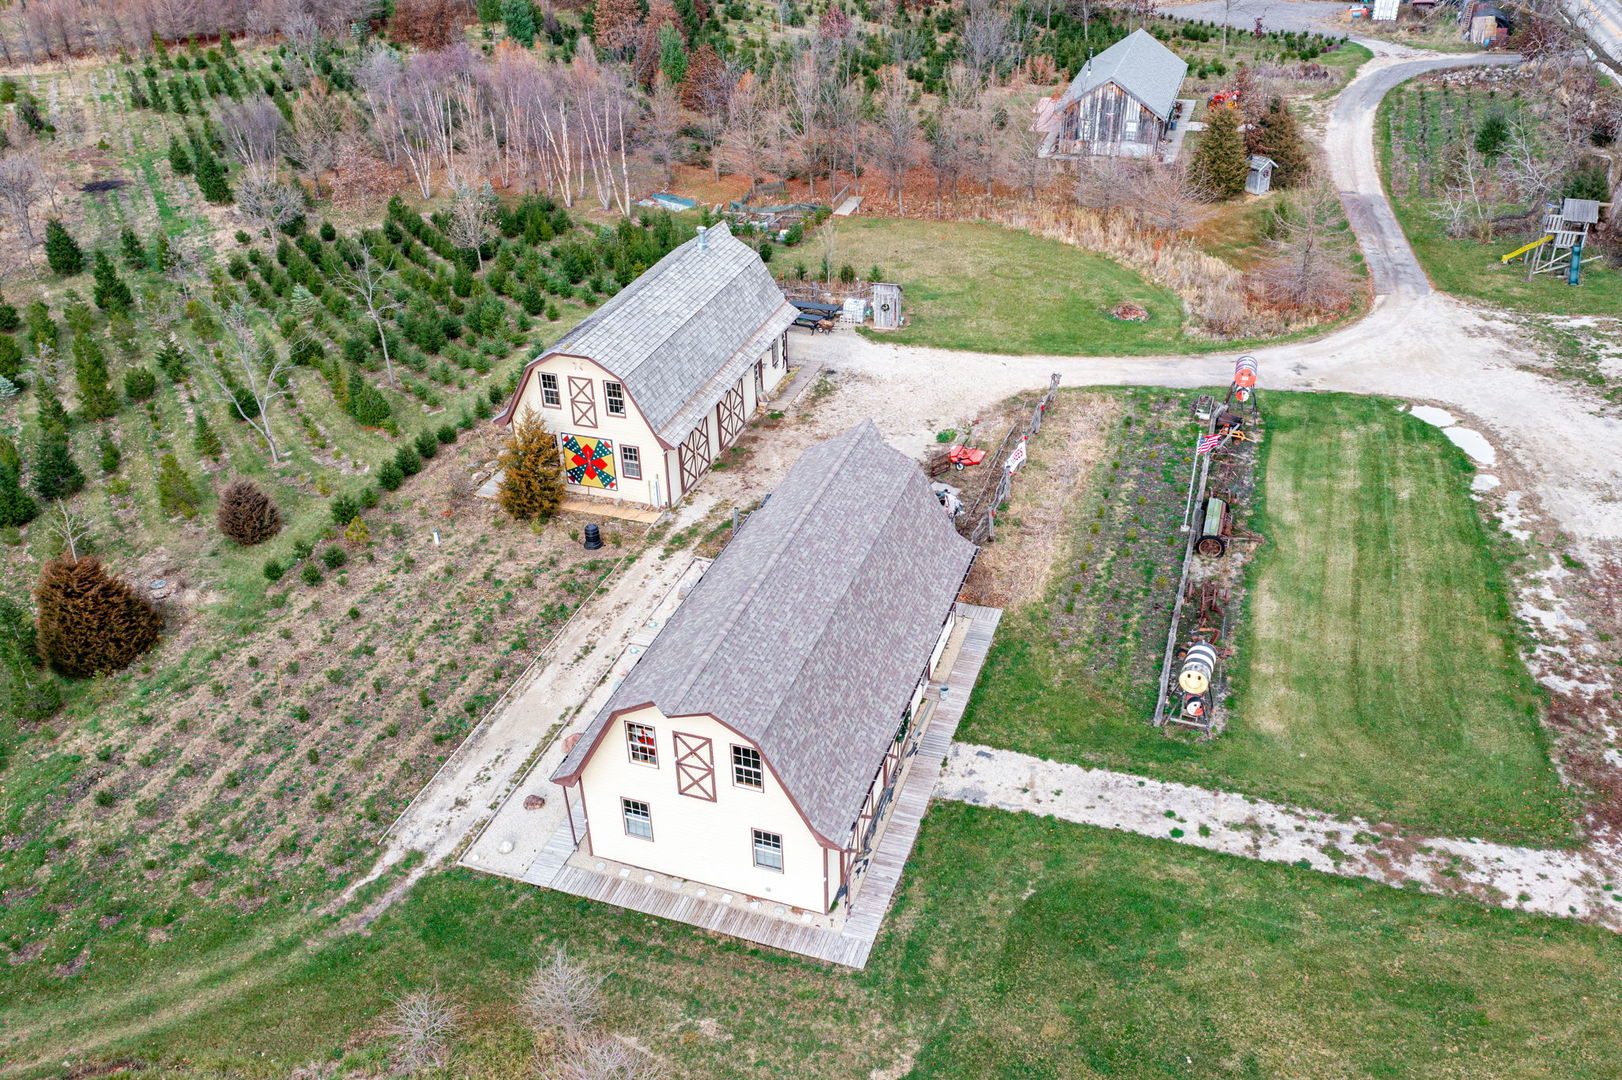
[[1560, 248]]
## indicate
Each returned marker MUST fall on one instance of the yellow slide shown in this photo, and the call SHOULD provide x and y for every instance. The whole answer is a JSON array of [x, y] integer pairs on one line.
[[1528, 247]]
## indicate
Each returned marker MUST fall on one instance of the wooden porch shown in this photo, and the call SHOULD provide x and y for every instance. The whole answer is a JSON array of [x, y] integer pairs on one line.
[[847, 942]]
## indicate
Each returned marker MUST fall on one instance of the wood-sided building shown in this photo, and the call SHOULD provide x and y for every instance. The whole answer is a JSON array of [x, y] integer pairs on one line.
[[1119, 105], [649, 390], [757, 744]]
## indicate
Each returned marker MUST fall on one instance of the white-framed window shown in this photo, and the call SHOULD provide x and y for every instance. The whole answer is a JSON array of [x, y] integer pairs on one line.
[[630, 462], [768, 849], [614, 398], [747, 770], [551, 397], [639, 740], [638, 818]]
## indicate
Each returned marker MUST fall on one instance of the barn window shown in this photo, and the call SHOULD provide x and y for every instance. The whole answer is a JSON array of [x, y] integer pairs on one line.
[[551, 397], [630, 463], [614, 398], [639, 737], [638, 818], [746, 769], [768, 850]]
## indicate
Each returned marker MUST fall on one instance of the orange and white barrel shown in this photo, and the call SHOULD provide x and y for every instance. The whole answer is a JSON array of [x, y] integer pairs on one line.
[[1244, 371]]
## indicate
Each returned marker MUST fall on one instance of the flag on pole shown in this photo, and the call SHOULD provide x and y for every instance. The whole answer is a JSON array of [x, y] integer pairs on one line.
[[1207, 443]]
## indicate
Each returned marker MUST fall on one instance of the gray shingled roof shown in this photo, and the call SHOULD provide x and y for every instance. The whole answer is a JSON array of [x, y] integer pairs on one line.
[[679, 336], [812, 628], [1138, 64]]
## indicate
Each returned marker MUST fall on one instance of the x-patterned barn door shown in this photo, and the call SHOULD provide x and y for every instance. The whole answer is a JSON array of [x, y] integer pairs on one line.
[[694, 455], [695, 766], [730, 414], [582, 404]]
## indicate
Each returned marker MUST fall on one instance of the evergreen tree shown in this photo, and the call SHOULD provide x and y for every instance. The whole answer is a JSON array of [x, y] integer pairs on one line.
[[62, 250], [111, 457], [9, 319], [16, 507], [1279, 137], [41, 327], [88, 621], [96, 398], [205, 441], [26, 693], [1492, 134], [56, 474], [519, 16], [366, 403], [211, 178], [171, 360], [139, 384], [247, 515], [177, 493], [1220, 164], [51, 416], [178, 160], [532, 475], [672, 54], [9, 457], [111, 294], [134, 251], [488, 11], [11, 357], [163, 255]]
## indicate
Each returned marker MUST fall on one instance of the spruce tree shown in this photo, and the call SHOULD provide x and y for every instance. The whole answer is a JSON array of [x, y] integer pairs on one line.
[[9, 457], [171, 360], [177, 493], [134, 251], [1280, 139], [205, 441], [1220, 164], [96, 398], [88, 621], [51, 416], [247, 515], [366, 403], [111, 294], [532, 476], [211, 178], [178, 160], [16, 507], [519, 16], [26, 693], [62, 250], [56, 474], [11, 357]]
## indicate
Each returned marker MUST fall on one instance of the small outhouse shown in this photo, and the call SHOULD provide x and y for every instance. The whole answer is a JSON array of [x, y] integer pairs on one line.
[[1260, 180], [886, 306]]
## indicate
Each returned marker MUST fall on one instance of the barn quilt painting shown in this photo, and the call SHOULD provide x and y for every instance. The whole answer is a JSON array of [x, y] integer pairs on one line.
[[589, 461]]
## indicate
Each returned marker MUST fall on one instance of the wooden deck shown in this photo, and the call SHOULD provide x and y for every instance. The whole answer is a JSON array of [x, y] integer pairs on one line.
[[851, 944]]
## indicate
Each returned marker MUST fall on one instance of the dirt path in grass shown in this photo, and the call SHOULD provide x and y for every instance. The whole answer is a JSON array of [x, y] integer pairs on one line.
[[1579, 884]]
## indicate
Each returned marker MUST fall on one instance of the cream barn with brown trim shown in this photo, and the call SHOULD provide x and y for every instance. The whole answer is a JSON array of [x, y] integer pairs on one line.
[[757, 744], [647, 392]]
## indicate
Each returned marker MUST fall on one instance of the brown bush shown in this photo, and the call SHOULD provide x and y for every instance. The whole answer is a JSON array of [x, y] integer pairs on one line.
[[247, 515], [90, 622]]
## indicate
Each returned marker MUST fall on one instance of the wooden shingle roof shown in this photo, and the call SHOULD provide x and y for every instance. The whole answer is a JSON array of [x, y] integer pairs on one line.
[[812, 628]]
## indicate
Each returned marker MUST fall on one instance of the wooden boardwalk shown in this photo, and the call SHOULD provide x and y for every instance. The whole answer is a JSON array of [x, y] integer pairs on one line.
[[851, 944]]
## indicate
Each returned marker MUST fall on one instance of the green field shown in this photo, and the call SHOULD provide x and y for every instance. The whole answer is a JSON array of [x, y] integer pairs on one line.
[[1019, 947], [1416, 125], [984, 288], [1378, 674]]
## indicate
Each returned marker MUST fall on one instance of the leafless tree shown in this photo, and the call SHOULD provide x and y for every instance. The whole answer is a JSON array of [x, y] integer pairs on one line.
[[895, 133], [1464, 206], [22, 185], [1531, 165], [987, 38], [662, 133], [422, 1021], [563, 995], [70, 527], [368, 281], [603, 1057], [1309, 269], [1164, 199], [256, 369], [321, 123], [472, 216], [252, 129], [747, 139], [268, 201]]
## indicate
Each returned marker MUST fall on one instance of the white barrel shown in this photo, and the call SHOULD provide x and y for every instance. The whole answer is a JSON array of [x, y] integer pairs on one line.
[[1194, 677]]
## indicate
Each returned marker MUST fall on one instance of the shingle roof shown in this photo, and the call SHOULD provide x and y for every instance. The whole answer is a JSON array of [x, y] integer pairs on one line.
[[812, 628], [1138, 64], [680, 335]]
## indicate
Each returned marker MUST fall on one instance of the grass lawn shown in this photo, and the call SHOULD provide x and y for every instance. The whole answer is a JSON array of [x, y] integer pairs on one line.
[[985, 288], [1020, 947], [1415, 125], [1377, 674]]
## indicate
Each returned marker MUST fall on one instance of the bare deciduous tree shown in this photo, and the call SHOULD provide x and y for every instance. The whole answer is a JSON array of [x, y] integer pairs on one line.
[[747, 138], [1309, 269], [252, 129], [70, 527], [563, 995], [368, 282], [321, 123], [895, 133], [987, 36], [662, 133], [1464, 206], [603, 1057], [21, 186], [268, 201], [422, 1021], [252, 374], [472, 216]]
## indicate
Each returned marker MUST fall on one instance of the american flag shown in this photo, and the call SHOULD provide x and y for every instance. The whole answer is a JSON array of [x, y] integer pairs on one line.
[[1207, 443]]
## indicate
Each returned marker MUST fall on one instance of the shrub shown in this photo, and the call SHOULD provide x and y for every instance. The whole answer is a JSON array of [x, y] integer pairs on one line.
[[532, 483], [247, 515], [274, 569], [139, 384], [110, 455], [89, 621], [310, 574], [334, 557]]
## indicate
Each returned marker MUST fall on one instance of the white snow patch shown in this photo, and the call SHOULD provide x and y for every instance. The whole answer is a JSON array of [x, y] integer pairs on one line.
[[1473, 443], [1484, 482], [1432, 415]]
